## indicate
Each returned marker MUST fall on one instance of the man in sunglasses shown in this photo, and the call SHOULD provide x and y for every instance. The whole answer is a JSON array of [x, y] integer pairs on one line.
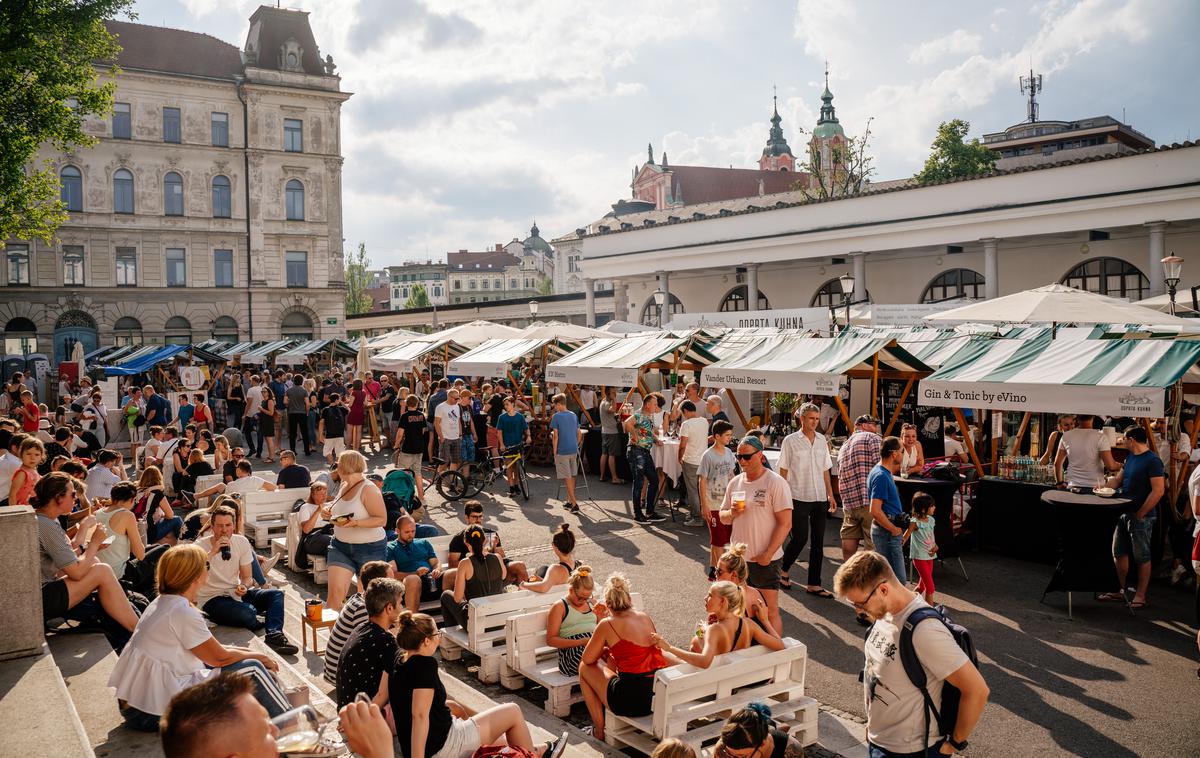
[[758, 505], [896, 719]]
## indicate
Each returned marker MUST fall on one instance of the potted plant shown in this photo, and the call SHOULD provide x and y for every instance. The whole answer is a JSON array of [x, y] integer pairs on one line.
[[783, 404]]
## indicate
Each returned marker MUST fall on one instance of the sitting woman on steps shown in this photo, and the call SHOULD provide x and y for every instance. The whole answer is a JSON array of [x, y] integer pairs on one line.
[[555, 574], [482, 574], [724, 631], [572, 620]]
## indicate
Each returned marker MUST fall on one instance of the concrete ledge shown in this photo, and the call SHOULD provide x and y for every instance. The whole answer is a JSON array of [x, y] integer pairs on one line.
[[39, 716], [21, 632]]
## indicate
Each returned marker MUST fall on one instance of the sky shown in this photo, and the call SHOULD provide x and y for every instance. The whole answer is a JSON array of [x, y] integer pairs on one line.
[[472, 119]]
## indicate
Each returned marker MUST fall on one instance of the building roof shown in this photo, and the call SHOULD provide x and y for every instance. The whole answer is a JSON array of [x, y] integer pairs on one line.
[[270, 28], [706, 184], [490, 260], [175, 51], [535, 242]]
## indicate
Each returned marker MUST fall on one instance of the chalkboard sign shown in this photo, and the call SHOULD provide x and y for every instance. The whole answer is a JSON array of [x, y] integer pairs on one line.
[[437, 371], [931, 430], [891, 390]]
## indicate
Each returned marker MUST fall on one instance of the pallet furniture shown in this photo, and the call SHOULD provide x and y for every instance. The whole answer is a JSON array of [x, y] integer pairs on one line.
[[485, 633]]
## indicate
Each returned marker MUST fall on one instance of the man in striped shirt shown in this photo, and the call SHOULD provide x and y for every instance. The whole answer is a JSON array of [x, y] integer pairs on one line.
[[857, 457], [352, 616]]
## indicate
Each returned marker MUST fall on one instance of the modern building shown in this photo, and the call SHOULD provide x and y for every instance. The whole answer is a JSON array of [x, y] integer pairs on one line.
[[1033, 143], [519, 269], [513, 312], [211, 207], [403, 279]]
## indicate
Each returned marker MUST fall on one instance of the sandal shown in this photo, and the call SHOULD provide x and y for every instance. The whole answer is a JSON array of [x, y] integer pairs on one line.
[[785, 581], [1137, 605], [819, 592], [1111, 597], [555, 748]]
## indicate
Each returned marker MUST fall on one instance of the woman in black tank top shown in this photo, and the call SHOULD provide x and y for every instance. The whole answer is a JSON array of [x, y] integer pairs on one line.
[[725, 631]]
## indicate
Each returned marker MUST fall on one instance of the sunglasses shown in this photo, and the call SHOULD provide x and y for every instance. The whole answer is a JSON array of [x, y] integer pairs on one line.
[[746, 456], [863, 604]]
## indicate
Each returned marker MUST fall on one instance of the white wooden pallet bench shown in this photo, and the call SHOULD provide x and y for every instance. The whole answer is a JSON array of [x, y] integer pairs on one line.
[[691, 704], [286, 547], [485, 634], [265, 514]]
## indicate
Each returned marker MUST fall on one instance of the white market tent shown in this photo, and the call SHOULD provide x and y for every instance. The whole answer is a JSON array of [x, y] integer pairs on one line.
[[1163, 303], [404, 358], [496, 357], [473, 334], [625, 327], [1056, 304], [558, 330], [393, 338], [301, 353], [262, 353], [618, 361]]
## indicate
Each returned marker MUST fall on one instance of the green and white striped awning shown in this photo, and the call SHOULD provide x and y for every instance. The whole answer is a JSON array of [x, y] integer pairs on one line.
[[406, 357], [618, 361], [1106, 377], [806, 365], [495, 358]]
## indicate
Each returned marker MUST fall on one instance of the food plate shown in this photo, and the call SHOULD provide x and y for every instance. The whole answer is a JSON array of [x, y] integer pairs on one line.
[[1104, 491]]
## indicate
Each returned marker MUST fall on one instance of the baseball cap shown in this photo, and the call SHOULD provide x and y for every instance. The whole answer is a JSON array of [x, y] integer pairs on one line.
[[866, 418]]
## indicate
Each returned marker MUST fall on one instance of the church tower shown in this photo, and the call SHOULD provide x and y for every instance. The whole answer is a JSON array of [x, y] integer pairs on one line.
[[776, 156], [829, 136]]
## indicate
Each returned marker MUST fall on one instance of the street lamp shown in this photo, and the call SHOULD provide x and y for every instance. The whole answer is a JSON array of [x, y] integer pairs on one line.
[[1172, 268], [660, 298], [847, 283], [533, 309]]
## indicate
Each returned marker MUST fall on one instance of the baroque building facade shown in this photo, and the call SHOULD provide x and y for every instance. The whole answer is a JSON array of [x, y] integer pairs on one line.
[[211, 206]]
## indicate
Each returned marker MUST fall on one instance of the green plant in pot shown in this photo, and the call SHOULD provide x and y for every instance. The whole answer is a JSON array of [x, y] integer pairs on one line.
[[784, 405]]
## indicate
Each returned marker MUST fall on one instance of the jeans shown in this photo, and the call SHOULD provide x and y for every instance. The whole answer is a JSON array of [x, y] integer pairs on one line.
[[891, 548], [300, 420], [425, 531], [266, 689], [807, 516], [257, 572], [155, 532], [90, 610], [250, 432], [641, 466], [312, 425], [934, 750], [244, 612], [234, 410]]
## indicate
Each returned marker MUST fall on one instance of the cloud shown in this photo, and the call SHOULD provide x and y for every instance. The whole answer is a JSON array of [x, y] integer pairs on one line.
[[958, 42], [378, 22]]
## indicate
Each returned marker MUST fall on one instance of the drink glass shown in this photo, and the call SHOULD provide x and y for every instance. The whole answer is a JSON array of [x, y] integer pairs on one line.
[[739, 501], [299, 730]]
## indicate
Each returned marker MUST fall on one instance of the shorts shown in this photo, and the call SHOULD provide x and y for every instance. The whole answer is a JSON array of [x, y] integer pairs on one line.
[[718, 534], [611, 444], [450, 451], [763, 577], [493, 438], [334, 446], [56, 599], [856, 525], [352, 555], [135, 434], [631, 694], [1132, 537], [462, 741], [566, 466], [409, 461]]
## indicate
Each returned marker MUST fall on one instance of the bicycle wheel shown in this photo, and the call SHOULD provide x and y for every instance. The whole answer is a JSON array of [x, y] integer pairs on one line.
[[522, 480], [451, 485]]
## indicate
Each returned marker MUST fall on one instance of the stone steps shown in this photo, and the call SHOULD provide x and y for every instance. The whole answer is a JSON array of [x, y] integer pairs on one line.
[[40, 717]]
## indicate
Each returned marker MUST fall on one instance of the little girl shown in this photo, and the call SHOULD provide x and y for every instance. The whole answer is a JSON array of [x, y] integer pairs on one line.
[[921, 546]]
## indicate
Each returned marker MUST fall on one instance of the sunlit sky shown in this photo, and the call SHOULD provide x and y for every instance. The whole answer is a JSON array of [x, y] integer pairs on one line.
[[471, 119]]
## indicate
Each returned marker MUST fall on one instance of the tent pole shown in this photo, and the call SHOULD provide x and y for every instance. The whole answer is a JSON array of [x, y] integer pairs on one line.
[[995, 438], [874, 381], [575, 393], [899, 406], [962, 424], [837, 397], [738, 409], [1021, 431]]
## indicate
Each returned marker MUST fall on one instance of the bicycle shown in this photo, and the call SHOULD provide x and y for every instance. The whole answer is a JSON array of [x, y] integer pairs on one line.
[[450, 484], [481, 475]]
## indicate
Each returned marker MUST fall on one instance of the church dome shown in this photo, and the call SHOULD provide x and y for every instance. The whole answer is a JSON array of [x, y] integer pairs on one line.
[[535, 242], [827, 124]]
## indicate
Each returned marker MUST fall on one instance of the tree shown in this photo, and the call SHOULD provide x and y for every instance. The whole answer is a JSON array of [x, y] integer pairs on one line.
[[952, 157], [546, 286], [846, 171], [358, 280], [419, 298], [48, 84]]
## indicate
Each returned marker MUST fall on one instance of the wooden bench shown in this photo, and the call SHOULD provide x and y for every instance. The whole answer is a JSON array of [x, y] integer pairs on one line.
[[485, 634], [691, 704], [527, 656], [266, 514]]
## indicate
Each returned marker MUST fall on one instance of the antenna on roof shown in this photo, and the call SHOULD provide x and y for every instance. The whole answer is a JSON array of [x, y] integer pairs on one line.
[[1031, 85]]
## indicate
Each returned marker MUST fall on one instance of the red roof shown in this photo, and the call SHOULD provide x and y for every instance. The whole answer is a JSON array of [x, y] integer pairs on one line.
[[487, 261], [705, 184], [156, 48]]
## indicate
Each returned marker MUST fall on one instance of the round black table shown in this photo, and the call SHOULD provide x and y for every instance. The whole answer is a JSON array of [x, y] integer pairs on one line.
[[942, 491], [1083, 525]]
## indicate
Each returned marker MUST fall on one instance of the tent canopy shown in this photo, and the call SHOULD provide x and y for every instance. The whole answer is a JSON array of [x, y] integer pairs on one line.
[[474, 333], [298, 354], [1055, 303], [392, 339], [496, 357], [145, 361], [1105, 377], [617, 361], [558, 330], [405, 357], [625, 327], [807, 365], [261, 353], [240, 348]]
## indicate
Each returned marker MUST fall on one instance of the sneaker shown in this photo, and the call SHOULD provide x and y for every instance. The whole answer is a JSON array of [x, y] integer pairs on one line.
[[712, 574], [573, 508], [280, 644], [641, 519], [269, 563], [1178, 574], [692, 521], [656, 517], [555, 748]]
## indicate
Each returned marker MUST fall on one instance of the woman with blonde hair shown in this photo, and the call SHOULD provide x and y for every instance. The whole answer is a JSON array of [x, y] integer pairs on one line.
[[673, 748], [732, 567], [152, 504], [221, 452], [724, 630], [172, 648], [572, 620], [624, 682], [359, 518]]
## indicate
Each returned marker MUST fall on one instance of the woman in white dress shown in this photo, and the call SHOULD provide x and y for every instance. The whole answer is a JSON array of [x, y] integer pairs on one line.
[[172, 648]]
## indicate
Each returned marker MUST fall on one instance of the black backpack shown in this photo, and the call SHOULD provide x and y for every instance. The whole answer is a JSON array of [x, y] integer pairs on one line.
[[947, 717]]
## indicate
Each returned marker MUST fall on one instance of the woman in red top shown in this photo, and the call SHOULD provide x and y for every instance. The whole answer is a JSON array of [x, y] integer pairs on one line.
[[29, 413], [354, 419], [202, 416], [624, 683]]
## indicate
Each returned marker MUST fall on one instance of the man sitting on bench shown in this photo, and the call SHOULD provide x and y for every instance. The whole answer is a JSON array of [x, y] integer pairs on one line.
[[415, 563], [516, 572], [245, 483]]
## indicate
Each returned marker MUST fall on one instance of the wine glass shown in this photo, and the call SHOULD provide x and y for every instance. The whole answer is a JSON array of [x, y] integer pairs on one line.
[[299, 730]]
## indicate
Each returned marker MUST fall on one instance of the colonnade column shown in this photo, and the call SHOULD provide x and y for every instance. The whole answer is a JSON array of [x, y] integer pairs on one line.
[[620, 300], [1157, 251], [991, 268], [860, 276], [751, 286], [664, 284], [589, 299]]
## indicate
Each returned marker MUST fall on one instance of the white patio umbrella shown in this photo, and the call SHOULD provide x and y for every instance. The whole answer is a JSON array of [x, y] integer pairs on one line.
[[362, 362], [1056, 304], [474, 333], [1163, 303]]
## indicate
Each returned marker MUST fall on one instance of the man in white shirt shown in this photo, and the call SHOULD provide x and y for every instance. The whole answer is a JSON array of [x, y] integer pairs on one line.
[[955, 450], [227, 595], [107, 472], [804, 461], [1087, 454], [245, 483], [693, 441], [898, 722], [447, 423], [254, 398]]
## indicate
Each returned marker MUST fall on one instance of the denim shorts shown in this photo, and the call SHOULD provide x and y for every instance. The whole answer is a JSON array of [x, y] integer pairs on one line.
[[352, 555], [1132, 537]]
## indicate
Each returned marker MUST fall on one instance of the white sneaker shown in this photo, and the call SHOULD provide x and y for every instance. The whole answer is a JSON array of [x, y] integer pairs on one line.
[[269, 563], [1178, 574]]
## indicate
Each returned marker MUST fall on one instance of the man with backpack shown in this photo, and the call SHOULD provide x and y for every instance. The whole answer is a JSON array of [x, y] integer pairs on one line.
[[922, 689]]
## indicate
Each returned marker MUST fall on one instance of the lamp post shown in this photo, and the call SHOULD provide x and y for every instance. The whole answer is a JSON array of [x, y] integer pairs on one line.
[[847, 283], [533, 309], [1172, 268], [660, 298]]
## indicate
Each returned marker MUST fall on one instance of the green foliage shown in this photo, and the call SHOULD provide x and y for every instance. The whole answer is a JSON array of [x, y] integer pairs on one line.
[[546, 287], [358, 280], [846, 172], [419, 297], [47, 50], [951, 157]]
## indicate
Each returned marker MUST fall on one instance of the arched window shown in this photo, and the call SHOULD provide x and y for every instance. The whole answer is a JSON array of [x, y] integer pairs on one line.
[[735, 300], [225, 329], [122, 191], [72, 188], [829, 294], [173, 194], [953, 284], [127, 331], [20, 337], [650, 310], [295, 200], [222, 204], [177, 331], [1109, 276], [296, 326]]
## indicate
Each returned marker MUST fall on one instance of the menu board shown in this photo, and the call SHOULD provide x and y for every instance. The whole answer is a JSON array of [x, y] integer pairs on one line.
[[931, 434], [891, 390]]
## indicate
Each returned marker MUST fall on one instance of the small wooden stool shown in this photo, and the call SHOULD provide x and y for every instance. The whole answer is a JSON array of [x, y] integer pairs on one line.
[[328, 618]]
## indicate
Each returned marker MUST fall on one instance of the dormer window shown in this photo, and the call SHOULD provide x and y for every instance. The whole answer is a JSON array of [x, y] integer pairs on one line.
[[291, 55]]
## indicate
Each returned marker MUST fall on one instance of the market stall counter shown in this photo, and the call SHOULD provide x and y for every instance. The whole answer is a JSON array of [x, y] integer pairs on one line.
[[1083, 528], [1001, 506]]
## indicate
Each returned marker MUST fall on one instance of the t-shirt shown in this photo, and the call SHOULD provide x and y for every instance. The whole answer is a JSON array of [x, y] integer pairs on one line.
[[495, 407], [954, 448], [54, 548], [159, 404], [608, 419], [278, 388], [806, 463], [765, 496], [718, 416], [100, 481], [245, 485], [448, 418], [408, 558], [921, 541], [294, 476], [881, 486], [1085, 468], [413, 424], [895, 708], [224, 575], [368, 655], [185, 414], [352, 616], [9, 464], [716, 466], [1139, 470], [567, 426], [419, 672], [435, 400], [306, 512], [512, 428], [254, 397], [695, 431], [642, 434], [297, 399], [334, 417]]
